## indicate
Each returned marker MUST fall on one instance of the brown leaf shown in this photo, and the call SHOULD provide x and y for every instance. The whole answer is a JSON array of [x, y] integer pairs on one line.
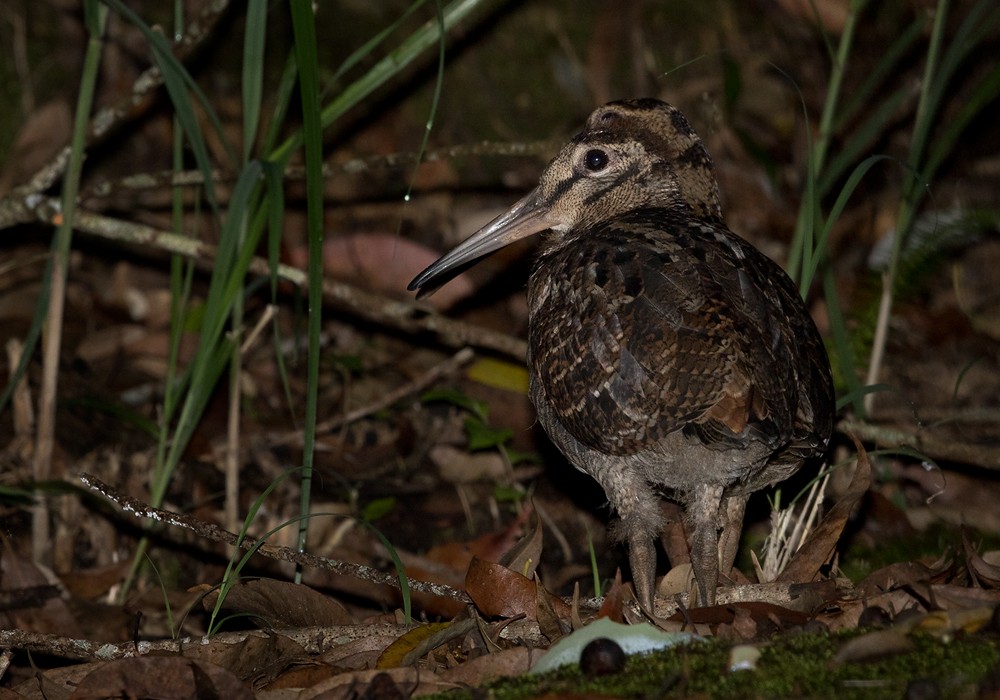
[[40, 139], [499, 592], [550, 623], [51, 614], [983, 572], [507, 662], [164, 677], [94, 582], [831, 14], [818, 548], [282, 604], [363, 684], [490, 546], [759, 612], [358, 654], [904, 573], [384, 263], [613, 605], [256, 659], [524, 555]]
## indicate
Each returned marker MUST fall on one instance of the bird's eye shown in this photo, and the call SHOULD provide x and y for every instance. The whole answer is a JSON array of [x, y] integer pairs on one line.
[[595, 160]]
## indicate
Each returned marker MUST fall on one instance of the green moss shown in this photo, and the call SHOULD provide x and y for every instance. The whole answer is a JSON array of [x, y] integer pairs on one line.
[[791, 666]]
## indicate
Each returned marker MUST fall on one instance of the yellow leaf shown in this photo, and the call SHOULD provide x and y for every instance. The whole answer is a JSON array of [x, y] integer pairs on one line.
[[500, 374], [392, 656]]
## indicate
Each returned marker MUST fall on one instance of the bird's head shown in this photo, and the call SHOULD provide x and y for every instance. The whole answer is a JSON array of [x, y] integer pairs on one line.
[[633, 154]]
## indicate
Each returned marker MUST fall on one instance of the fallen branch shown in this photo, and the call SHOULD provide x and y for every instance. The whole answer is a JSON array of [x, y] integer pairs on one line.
[[407, 316], [939, 448], [215, 533]]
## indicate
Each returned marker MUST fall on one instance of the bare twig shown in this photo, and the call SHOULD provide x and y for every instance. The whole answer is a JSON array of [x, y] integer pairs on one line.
[[987, 457], [166, 179], [314, 640], [217, 534], [407, 316]]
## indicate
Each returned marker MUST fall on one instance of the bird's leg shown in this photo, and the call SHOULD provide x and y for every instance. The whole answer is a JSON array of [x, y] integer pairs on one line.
[[641, 522], [731, 515], [702, 518], [642, 560]]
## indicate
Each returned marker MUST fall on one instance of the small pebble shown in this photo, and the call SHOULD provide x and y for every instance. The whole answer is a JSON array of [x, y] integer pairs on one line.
[[816, 627], [601, 657], [874, 617], [743, 657]]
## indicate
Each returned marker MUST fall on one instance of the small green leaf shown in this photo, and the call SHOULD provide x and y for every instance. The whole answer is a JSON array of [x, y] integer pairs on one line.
[[378, 508], [519, 456], [483, 436], [508, 494]]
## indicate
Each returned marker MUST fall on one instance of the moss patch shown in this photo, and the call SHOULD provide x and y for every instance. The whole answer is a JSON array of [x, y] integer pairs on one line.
[[791, 666]]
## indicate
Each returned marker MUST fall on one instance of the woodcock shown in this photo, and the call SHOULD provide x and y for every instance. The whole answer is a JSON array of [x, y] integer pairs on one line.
[[667, 355]]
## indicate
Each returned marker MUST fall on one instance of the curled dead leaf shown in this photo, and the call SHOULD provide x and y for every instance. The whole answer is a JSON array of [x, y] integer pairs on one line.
[[818, 549]]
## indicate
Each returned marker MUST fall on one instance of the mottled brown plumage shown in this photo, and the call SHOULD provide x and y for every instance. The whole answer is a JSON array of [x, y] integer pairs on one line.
[[667, 355]]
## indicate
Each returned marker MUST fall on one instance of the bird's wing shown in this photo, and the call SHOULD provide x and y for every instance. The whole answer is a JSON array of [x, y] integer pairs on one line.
[[649, 325]]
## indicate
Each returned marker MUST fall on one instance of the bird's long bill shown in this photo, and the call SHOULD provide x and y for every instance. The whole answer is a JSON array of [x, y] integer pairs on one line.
[[526, 217]]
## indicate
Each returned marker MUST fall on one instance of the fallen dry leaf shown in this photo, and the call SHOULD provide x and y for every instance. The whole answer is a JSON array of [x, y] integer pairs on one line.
[[983, 572], [817, 550], [499, 592], [255, 659], [281, 604]]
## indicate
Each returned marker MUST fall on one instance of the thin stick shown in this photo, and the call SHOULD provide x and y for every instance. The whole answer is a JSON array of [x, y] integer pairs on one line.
[[409, 317], [215, 533]]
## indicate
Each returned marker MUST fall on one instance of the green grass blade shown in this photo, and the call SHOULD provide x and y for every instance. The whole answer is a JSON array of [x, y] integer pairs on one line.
[[283, 98], [304, 30], [888, 64], [872, 128], [179, 83], [846, 191], [404, 580], [253, 72], [235, 251], [942, 147], [842, 357], [435, 100]]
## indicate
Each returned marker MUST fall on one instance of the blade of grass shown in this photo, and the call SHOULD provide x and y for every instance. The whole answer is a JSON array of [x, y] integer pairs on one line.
[[253, 72], [304, 31], [889, 62], [434, 102], [180, 85], [904, 218], [800, 253], [234, 255]]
